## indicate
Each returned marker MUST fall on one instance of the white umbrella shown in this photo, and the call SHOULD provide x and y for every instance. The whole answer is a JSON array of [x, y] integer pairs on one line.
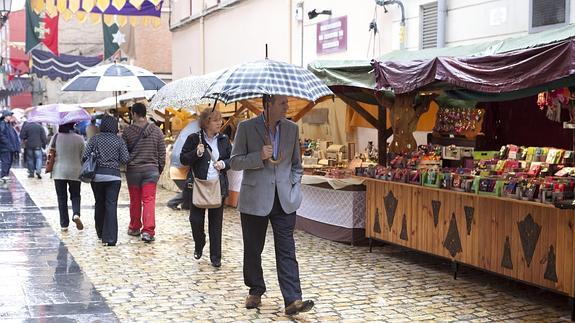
[[114, 77], [184, 93]]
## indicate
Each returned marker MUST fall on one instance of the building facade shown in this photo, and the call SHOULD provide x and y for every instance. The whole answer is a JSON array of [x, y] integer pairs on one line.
[[209, 35]]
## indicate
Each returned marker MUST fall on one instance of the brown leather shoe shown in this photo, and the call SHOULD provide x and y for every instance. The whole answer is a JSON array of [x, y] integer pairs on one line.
[[299, 306], [253, 301]]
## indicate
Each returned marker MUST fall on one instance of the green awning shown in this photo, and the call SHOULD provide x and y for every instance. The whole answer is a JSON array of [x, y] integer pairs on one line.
[[359, 73]]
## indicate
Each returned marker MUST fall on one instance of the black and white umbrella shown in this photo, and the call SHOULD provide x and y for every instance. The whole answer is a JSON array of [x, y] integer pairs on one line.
[[266, 77], [114, 77]]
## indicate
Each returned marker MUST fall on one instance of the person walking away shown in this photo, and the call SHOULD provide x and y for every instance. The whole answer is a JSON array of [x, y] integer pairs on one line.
[[33, 137], [66, 173], [145, 142], [110, 151], [92, 129], [9, 144], [194, 154], [270, 192]]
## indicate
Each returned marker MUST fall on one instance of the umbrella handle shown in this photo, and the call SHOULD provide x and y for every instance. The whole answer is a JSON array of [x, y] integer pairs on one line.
[[268, 142]]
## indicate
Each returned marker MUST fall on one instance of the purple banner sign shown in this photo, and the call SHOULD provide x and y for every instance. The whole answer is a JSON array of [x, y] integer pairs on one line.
[[332, 36]]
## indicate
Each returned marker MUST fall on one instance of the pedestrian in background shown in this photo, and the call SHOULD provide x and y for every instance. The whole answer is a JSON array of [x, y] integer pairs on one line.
[[110, 151], [92, 129], [66, 173], [9, 144], [145, 142], [194, 154], [179, 173], [34, 139], [270, 192]]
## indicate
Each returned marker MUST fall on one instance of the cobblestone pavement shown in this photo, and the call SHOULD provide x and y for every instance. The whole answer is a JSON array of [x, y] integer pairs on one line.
[[41, 281], [162, 282]]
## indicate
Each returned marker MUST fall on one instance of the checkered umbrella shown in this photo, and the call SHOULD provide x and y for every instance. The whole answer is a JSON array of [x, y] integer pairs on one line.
[[253, 80], [114, 77]]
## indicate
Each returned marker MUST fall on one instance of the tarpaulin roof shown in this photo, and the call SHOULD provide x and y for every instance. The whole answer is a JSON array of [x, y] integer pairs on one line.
[[360, 74], [498, 73]]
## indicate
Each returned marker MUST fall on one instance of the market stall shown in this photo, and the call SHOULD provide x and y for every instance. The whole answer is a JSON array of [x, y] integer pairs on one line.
[[500, 210], [333, 209]]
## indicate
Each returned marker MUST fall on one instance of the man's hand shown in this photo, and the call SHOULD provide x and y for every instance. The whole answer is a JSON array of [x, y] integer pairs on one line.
[[200, 150], [267, 152]]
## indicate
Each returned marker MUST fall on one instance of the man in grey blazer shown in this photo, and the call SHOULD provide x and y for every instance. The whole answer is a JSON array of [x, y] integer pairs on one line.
[[270, 192]]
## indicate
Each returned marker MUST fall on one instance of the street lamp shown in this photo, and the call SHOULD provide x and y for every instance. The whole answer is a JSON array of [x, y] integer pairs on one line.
[[312, 14], [5, 7]]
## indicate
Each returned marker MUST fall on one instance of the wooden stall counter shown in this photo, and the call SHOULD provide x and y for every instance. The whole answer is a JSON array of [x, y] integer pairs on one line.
[[528, 241]]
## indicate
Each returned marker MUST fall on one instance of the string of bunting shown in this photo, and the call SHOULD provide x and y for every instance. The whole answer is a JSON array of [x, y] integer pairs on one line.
[[122, 12]]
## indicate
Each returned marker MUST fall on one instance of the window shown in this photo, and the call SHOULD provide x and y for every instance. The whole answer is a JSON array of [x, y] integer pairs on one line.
[[545, 14], [428, 25]]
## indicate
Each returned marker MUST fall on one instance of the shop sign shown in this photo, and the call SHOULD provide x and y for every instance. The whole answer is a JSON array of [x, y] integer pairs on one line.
[[332, 36]]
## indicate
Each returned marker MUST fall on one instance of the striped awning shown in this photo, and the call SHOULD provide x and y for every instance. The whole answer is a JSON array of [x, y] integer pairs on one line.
[[122, 12]]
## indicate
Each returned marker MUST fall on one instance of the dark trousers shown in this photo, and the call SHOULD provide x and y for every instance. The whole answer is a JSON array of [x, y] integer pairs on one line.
[[106, 210], [254, 235], [6, 158], [74, 188], [184, 197], [215, 219]]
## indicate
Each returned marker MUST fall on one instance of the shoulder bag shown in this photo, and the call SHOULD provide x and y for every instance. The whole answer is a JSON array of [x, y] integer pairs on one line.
[[88, 170], [51, 158], [207, 194]]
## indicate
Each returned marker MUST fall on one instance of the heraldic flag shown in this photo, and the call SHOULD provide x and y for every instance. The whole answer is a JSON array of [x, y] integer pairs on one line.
[[41, 29], [116, 38]]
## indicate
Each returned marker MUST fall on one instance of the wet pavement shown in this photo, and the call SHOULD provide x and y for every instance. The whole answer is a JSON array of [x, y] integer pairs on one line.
[[40, 280], [161, 281]]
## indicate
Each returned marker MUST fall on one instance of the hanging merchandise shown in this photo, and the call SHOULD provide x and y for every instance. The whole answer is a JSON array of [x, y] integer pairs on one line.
[[554, 100], [458, 121]]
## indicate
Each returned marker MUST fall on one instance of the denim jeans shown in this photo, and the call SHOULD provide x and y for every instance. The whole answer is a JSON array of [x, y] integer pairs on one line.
[[34, 160]]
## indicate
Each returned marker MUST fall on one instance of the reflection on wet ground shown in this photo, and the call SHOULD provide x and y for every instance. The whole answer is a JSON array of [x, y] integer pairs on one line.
[[40, 278]]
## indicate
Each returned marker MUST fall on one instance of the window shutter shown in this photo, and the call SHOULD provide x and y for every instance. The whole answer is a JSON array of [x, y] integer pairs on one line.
[[548, 12], [428, 25]]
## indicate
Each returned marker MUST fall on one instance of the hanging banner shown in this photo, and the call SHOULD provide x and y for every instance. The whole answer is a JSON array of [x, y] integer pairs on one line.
[[64, 66]]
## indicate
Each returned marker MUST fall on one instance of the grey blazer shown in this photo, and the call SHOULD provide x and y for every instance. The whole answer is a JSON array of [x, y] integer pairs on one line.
[[261, 179]]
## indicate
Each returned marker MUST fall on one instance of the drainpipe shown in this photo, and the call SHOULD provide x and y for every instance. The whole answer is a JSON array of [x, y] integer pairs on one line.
[[441, 14], [384, 3], [203, 39]]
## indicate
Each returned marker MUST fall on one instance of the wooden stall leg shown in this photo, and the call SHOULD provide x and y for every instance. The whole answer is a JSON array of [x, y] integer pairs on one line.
[[370, 244], [455, 267]]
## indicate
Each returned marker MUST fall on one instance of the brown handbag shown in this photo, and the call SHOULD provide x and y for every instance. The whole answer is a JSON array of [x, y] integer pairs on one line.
[[207, 194], [51, 158]]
